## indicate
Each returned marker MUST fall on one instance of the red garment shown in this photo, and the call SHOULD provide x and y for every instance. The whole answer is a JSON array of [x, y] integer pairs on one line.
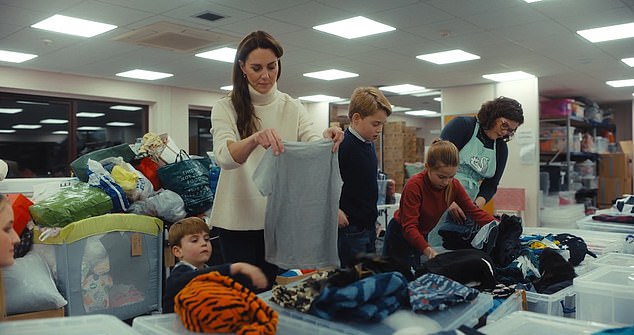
[[422, 206]]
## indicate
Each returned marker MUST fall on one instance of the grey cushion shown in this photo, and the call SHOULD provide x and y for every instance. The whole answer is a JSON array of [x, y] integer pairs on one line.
[[29, 286]]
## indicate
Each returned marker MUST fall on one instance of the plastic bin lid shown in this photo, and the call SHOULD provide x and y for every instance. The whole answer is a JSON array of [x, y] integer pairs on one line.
[[170, 324], [616, 259], [607, 278], [530, 323], [72, 325], [449, 319]]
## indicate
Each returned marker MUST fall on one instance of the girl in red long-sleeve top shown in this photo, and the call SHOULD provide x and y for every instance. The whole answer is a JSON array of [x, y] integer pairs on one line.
[[424, 199]]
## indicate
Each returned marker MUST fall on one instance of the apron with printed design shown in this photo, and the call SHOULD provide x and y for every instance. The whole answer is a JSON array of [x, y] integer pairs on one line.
[[476, 164]]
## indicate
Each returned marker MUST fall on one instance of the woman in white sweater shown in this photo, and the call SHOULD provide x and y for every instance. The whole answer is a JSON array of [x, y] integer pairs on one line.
[[254, 117]]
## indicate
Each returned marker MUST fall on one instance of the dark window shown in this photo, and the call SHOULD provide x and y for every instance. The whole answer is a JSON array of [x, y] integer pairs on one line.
[[34, 131], [200, 140]]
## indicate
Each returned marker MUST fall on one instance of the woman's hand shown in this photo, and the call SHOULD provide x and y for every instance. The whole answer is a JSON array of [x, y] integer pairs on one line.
[[456, 213], [342, 219], [253, 272], [269, 138], [429, 252], [336, 135]]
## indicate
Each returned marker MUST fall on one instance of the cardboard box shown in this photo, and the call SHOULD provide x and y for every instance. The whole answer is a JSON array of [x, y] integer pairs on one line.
[[613, 165], [611, 188]]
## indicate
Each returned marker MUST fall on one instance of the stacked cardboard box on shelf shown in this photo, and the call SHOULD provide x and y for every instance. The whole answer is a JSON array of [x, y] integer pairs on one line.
[[393, 152], [615, 177]]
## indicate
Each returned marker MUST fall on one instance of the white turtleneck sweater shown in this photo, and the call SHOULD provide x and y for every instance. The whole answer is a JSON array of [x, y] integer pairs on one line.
[[238, 204]]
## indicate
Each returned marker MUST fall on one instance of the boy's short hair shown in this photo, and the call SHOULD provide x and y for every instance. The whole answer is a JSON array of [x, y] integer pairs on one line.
[[367, 100], [186, 226]]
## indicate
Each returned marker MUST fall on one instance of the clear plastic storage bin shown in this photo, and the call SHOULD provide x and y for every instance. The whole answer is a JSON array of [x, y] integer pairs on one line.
[[561, 303], [170, 324], [588, 223], [606, 294], [76, 325], [511, 304], [615, 260], [449, 319], [108, 264], [529, 323]]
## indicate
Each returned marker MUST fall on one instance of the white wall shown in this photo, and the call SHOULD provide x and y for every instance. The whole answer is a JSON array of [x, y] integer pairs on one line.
[[319, 111], [468, 99]]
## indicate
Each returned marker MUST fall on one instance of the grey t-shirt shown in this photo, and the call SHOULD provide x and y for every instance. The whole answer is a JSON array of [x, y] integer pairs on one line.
[[303, 185]]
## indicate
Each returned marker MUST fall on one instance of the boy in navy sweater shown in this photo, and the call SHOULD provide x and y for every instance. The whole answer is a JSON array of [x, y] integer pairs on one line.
[[368, 112], [189, 242]]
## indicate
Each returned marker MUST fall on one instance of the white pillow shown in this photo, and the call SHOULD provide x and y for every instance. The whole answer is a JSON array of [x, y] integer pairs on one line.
[[29, 286]]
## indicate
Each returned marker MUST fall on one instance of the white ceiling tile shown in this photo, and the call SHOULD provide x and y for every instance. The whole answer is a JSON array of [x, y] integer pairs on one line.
[[106, 13], [411, 15], [462, 8], [506, 17], [8, 29], [538, 38], [310, 14], [272, 27], [151, 6], [438, 31], [258, 7], [42, 6], [368, 6]]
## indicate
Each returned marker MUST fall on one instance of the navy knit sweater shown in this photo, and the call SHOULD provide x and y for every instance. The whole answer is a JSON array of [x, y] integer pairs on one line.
[[358, 167]]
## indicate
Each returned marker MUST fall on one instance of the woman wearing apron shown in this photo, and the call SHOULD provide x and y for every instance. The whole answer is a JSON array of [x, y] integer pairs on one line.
[[482, 141]]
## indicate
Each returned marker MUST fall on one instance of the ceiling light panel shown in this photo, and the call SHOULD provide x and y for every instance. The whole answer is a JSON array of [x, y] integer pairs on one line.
[[73, 26], [144, 74], [227, 88], [10, 110], [125, 108], [60, 132], [403, 89], [89, 128], [332, 74], [423, 112], [26, 126], [53, 121], [608, 33], [628, 61], [319, 98], [7, 131], [90, 114], [448, 57], [508, 76], [621, 83], [223, 54], [15, 57], [119, 124], [399, 109], [354, 27]]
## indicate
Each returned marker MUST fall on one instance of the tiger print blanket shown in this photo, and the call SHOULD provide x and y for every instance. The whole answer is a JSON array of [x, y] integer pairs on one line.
[[215, 303]]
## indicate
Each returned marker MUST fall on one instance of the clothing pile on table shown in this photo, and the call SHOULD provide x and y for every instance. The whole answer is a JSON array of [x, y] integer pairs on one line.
[[543, 264], [371, 290], [623, 212]]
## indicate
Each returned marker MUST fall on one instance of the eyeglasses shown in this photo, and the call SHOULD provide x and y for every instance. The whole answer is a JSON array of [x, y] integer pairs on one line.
[[506, 126]]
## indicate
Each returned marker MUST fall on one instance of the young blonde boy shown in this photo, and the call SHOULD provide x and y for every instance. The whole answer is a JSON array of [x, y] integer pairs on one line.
[[189, 241], [358, 164]]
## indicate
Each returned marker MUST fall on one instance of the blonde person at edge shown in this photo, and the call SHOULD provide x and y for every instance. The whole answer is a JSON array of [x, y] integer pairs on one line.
[[481, 140], [425, 197], [368, 111], [252, 118], [8, 240]]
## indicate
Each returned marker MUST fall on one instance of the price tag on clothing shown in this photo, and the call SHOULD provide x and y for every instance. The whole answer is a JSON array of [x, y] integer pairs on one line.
[[136, 244]]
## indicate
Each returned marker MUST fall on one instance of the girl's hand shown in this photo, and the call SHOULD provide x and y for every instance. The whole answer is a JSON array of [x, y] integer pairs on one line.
[[456, 213]]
